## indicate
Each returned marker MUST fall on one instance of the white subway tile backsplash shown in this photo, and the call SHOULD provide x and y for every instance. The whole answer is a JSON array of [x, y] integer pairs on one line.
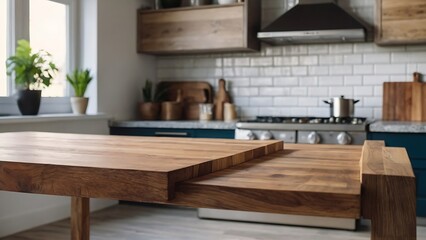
[[263, 61], [286, 81], [341, 48], [242, 62], [352, 58], [308, 101], [364, 69], [294, 79], [286, 61], [286, 101], [352, 80], [330, 81], [318, 70], [261, 101], [376, 58], [390, 69], [308, 60], [348, 92], [308, 81], [261, 81], [331, 60], [298, 91], [341, 70], [318, 91], [299, 71], [363, 91], [318, 49], [273, 91]]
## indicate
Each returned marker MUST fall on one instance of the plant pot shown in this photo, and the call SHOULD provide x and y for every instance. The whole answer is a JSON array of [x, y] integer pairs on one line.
[[170, 3], [79, 104], [28, 101], [149, 111]]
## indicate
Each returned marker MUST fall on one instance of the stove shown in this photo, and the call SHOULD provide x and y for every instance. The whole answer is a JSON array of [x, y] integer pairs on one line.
[[312, 130]]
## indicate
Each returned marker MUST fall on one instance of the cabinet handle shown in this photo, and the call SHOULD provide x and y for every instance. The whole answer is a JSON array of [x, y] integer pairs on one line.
[[180, 134]]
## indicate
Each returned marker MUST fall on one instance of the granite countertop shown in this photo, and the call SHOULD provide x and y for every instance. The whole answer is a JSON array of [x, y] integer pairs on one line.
[[398, 127], [220, 125]]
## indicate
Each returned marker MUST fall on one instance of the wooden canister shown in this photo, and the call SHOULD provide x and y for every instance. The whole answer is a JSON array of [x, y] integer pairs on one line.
[[229, 113], [171, 111]]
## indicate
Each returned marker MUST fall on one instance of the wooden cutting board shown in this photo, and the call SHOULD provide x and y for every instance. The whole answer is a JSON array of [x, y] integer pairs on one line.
[[105, 166], [404, 101], [193, 93]]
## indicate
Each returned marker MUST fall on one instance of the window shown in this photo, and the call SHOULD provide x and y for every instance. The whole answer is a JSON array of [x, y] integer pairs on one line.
[[49, 32], [3, 47], [47, 25]]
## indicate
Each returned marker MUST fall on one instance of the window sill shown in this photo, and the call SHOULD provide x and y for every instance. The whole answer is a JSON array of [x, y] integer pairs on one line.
[[51, 118]]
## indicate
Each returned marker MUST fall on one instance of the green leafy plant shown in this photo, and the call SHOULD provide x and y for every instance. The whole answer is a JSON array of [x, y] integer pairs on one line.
[[79, 80], [150, 94], [32, 71]]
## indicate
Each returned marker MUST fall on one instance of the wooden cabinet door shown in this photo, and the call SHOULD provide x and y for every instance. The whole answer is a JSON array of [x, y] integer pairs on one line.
[[401, 22]]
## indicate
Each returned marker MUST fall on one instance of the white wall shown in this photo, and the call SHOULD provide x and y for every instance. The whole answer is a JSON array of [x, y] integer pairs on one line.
[[293, 80], [120, 71], [21, 211]]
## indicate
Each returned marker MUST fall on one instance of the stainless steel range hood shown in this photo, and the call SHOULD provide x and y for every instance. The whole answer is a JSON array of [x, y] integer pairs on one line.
[[314, 21]]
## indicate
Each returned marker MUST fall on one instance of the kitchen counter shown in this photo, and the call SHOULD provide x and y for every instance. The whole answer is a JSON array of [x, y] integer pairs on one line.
[[398, 127], [176, 124]]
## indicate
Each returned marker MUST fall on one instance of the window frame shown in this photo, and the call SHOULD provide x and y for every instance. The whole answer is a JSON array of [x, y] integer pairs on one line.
[[18, 28]]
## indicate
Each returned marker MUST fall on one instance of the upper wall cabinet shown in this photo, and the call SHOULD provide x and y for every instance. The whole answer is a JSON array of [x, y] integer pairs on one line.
[[401, 22], [205, 29]]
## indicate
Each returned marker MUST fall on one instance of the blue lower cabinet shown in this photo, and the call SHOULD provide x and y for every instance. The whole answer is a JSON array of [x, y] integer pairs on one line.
[[173, 132], [416, 148]]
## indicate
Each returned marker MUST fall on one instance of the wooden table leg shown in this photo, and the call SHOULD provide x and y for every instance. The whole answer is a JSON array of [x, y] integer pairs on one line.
[[388, 192], [80, 218]]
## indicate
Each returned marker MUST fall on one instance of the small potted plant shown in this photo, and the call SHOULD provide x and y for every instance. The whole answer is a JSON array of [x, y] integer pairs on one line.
[[32, 73], [79, 80], [149, 109]]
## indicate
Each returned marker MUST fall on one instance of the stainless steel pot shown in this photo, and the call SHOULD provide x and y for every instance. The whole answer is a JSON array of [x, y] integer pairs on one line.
[[341, 107]]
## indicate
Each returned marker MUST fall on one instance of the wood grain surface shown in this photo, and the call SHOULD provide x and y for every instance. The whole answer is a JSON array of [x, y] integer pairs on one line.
[[388, 192], [400, 22], [318, 180], [80, 218], [205, 29], [117, 167], [404, 101]]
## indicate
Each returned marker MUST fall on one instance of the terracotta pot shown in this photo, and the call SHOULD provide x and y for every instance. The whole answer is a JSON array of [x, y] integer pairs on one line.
[[28, 101], [79, 104], [149, 111]]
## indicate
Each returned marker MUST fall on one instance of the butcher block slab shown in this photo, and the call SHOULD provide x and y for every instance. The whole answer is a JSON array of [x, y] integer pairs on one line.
[[404, 101], [316, 180], [105, 166]]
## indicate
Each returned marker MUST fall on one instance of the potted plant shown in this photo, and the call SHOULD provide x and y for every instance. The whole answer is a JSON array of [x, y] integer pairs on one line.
[[149, 109], [79, 80], [32, 73]]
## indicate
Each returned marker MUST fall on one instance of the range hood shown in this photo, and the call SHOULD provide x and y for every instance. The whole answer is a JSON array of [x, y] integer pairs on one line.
[[314, 21]]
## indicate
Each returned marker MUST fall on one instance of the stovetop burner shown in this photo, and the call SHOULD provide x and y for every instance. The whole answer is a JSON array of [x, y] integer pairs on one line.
[[309, 120]]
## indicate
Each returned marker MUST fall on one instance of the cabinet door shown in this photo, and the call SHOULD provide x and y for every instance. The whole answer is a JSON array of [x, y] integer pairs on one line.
[[401, 22], [204, 29]]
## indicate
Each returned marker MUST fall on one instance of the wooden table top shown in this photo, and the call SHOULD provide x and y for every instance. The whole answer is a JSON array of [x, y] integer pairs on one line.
[[153, 165], [321, 180]]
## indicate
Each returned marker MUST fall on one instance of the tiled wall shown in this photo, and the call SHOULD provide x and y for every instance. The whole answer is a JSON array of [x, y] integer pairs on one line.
[[293, 80]]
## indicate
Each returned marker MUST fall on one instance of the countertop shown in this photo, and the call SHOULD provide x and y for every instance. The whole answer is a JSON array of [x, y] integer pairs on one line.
[[398, 127], [220, 125]]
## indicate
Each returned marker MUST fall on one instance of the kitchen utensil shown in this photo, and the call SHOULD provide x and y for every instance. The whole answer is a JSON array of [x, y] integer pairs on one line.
[[222, 97], [229, 113], [193, 93], [404, 101], [206, 111], [341, 107]]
